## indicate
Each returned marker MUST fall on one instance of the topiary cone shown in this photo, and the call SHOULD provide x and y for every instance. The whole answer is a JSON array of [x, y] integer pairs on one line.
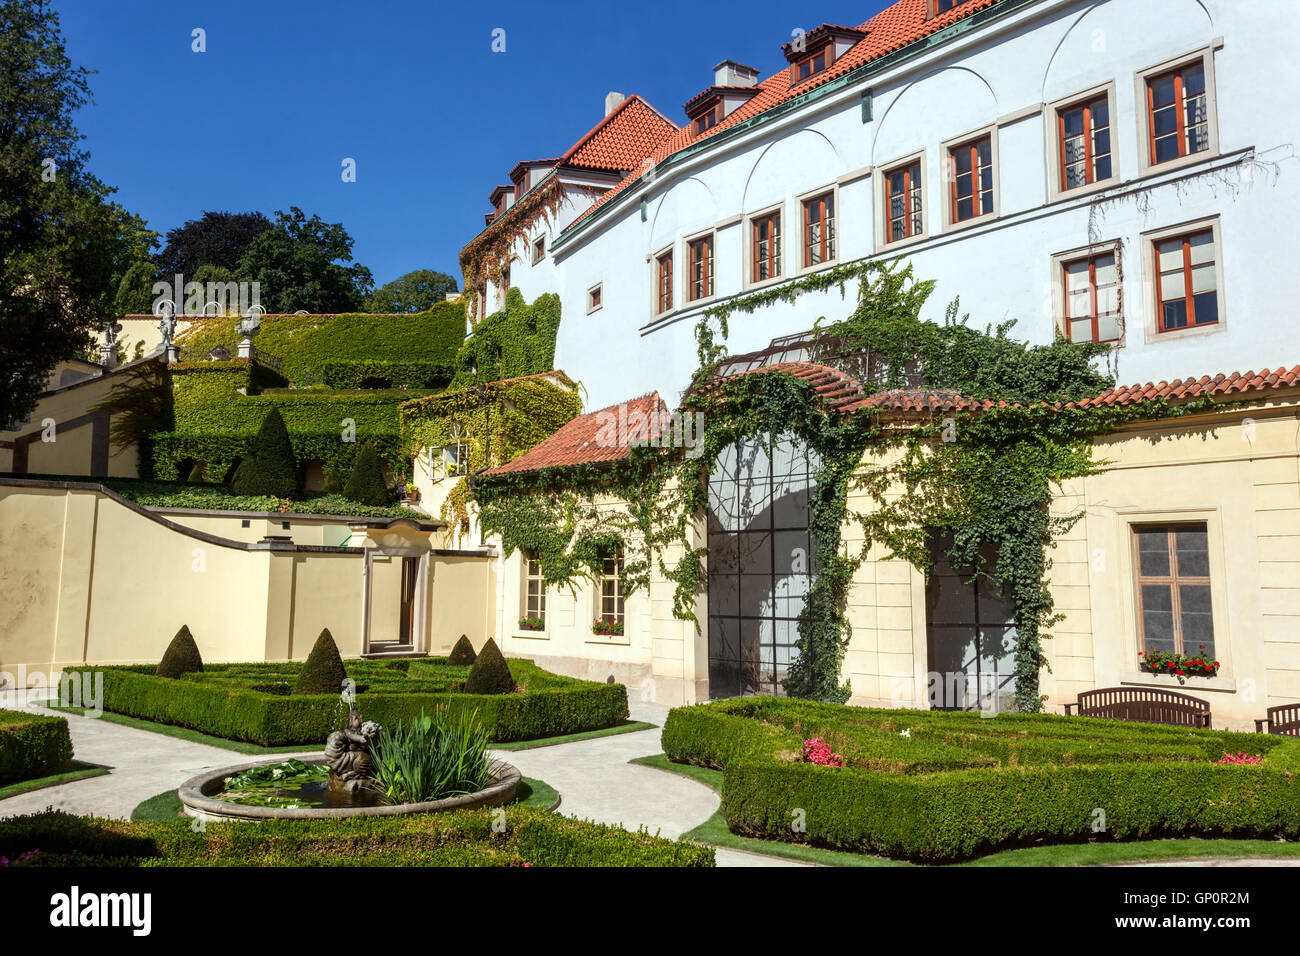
[[268, 466], [366, 483], [490, 673], [181, 656], [323, 672], [462, 653]]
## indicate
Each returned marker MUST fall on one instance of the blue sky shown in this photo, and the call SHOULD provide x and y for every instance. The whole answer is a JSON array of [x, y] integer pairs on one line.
[[410, 89]]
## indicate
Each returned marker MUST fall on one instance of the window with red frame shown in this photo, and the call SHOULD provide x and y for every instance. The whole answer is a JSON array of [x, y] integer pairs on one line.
[[664, 288], [1092, 301], [971, 172], [812, 65], [819, 230], [1084, 142], [1186, 281], [1178, 113], [903, 200], [707, 121], [701, 263], [942, 6], [767, 247]]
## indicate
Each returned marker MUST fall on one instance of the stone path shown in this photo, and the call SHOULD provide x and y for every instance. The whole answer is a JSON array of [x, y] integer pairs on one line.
[[594, 778]]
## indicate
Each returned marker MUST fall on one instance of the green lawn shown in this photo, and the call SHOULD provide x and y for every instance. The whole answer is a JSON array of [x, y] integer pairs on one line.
[[165, 807], [714, 831], [79, 771]]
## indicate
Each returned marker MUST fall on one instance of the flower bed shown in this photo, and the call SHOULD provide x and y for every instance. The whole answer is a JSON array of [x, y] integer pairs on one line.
[[32, 745], [936, 787], [458, 838], [252, 702]]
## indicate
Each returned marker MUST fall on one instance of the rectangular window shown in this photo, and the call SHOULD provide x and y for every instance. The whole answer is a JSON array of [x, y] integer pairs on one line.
[[812, 65], [1178, 113], [664, 282], [1173, 577], [1084, 143], [767, 247], [1186, 281], [903, 199], [707, 121], [970, 167], [1092, 301], [819, 230], [595, 298], [611, 588], [701, 262], [534, 603], [539, 249]]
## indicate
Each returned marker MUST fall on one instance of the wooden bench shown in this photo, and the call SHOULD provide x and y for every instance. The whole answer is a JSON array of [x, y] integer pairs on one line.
[[1283, 719], [1145, 705]]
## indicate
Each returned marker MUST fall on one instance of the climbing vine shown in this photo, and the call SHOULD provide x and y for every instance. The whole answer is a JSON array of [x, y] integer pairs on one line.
[[975, 479]]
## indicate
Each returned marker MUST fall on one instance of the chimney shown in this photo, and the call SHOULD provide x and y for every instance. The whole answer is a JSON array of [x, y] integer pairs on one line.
[[731, 73], [612, 100]]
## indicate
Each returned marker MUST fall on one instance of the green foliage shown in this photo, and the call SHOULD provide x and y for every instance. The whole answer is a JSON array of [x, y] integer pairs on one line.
[[430, 758], [366, 483], [385, 374], [518, 340], [490, 673], [305, 264], [32, 745], [141, 407], [959, 784], [217, 239], [251, 702], [306, 343], [181, 657], [219, 498], [416, 291], [323, 671], [462, 653], [455, 838], [268, 467], [196, 475], [65, 245], [134, 294]]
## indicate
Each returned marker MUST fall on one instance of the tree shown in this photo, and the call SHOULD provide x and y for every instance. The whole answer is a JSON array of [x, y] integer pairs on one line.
[[268, 467], [64, 246], [305, 264], [135, 290], [366, 483], [416, 291], [215, 239]]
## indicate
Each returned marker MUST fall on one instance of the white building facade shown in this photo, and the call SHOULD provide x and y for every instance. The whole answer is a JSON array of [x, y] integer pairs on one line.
[[1120, 170]]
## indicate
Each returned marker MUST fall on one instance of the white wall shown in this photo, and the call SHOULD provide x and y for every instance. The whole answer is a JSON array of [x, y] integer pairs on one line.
[[1002, 73]]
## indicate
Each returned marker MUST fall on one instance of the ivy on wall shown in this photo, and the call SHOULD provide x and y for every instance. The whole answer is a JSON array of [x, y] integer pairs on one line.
[[982, 477], [497, 421], [518, 340]]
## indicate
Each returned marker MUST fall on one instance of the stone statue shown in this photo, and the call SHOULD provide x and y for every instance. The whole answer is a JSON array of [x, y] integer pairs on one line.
[[347, 752], [167, 312]]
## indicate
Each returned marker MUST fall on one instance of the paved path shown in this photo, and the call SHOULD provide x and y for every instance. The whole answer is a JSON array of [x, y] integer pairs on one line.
[[593, 777]]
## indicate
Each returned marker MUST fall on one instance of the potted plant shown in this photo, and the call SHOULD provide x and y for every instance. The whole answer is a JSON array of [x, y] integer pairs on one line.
[[1181, 666], [412, 493], [532, 624], [607, 628]]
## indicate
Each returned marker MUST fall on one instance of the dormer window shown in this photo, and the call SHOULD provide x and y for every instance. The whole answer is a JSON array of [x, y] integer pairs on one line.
[[811, 53], [706, 121], [937, 7]]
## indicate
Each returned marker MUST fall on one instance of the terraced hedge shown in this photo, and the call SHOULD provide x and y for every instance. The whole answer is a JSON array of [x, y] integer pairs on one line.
[[937, 787], [305, 343], [457, 838], [32, 745], [251, 702]]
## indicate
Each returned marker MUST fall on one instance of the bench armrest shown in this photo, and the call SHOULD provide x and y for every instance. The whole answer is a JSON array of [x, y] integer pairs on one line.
[[1260, 724], [1068, 708]]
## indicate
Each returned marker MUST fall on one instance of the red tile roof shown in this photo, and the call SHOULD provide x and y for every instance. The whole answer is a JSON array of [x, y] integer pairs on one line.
[[620, 141], [586, 440], [891, 29]]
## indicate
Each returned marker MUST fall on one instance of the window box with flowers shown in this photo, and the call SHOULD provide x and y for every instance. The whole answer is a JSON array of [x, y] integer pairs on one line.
[[607, 628], [532, 624], [1181, 666]]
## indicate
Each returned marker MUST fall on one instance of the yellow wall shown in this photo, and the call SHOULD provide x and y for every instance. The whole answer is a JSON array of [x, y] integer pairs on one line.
[[64, 449]]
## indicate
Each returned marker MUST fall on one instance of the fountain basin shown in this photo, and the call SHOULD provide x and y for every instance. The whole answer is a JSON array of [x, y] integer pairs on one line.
[[199, 797]]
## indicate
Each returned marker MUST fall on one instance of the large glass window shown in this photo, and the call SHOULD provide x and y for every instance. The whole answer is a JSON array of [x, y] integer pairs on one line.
[[1092, 299], [1173, 578], [1178, 113], [1084, 131]]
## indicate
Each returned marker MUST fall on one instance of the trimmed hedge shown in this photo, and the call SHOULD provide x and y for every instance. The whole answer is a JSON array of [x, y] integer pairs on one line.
[[960, 785], [250, 702], [455, 838], [268, 466], [490, 673], [384, 374], [32, 745], [323, 671], [366, 483], [182, 655], [463, 652]]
